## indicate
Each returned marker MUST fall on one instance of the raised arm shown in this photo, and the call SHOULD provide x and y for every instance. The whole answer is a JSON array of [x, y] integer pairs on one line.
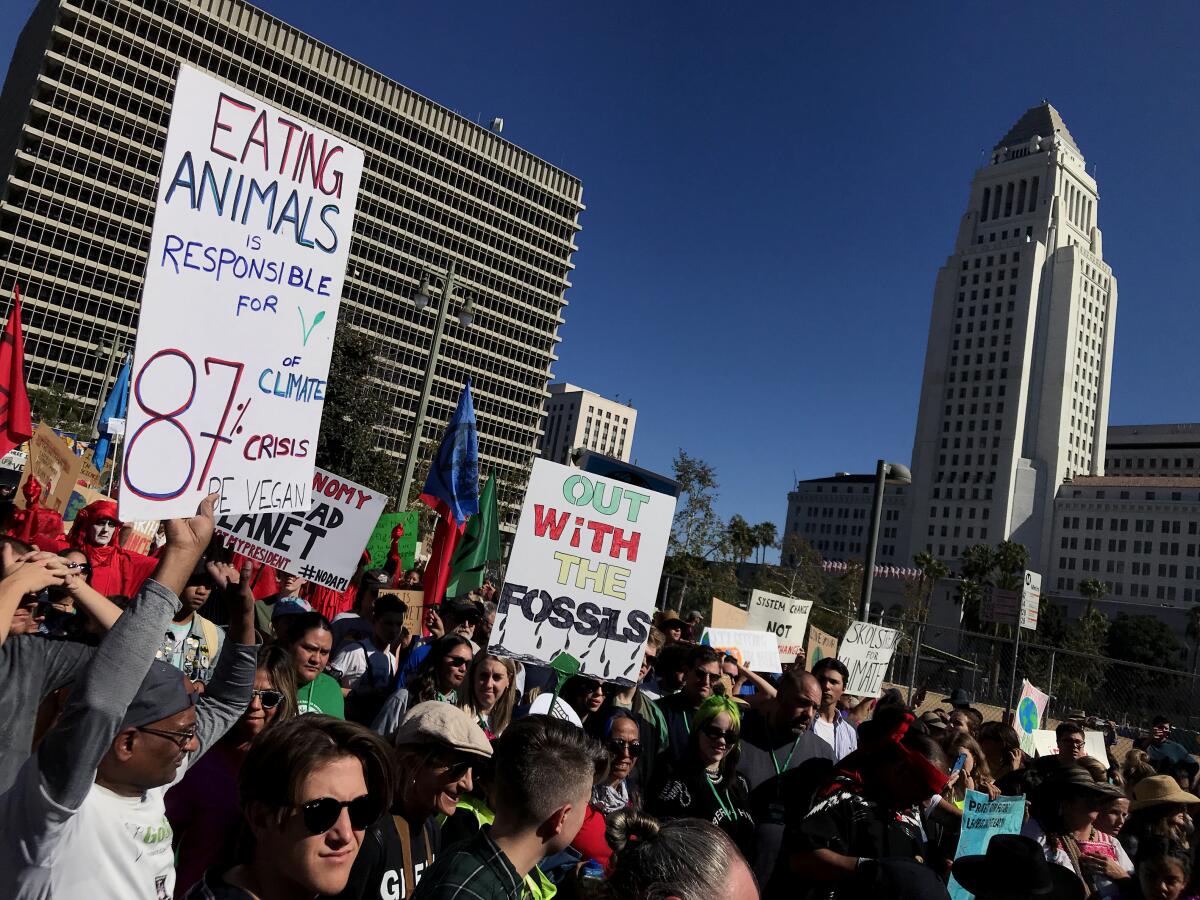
[[71, 751], [227, 693]]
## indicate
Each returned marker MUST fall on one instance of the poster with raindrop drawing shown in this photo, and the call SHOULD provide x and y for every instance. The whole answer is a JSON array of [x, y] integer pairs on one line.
[[583, 574]]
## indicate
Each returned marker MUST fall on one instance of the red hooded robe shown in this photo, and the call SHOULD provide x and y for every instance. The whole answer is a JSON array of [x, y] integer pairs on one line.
[[115, 570]]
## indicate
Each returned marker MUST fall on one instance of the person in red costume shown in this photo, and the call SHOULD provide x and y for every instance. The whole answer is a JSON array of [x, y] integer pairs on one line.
[[115, 570], [36, 525]]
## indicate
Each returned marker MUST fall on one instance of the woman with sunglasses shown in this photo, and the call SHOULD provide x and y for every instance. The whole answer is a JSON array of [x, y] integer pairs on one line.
[[203, 807], [491, 693], [614, 793], [584, 695], [440, 676], [705, 783], [309, 789], [436, 748]]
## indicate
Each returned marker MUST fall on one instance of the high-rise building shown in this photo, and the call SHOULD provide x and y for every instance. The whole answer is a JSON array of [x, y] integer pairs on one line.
[[1019, 358], [833, 515], [83, 118], [577, 418]]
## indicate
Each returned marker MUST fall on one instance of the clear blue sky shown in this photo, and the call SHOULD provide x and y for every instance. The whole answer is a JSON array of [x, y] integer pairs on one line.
[[771, 188]]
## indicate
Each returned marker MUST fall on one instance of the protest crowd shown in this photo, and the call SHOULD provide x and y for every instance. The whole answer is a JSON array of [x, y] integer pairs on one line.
[[197, 729]]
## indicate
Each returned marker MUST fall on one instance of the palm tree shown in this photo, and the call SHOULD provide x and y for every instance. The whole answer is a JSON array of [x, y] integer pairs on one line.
[[932, 570], [1092, 590], [765, 535]]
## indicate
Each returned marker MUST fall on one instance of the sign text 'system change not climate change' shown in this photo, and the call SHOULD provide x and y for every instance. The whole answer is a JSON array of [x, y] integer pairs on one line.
[[251, 235]]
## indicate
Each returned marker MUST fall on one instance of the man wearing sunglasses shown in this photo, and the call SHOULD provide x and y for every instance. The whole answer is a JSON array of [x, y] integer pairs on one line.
[[309, 789], [702, 672], [86, 815], [437, 747]]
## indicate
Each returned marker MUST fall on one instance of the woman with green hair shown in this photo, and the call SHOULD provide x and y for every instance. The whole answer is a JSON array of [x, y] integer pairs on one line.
[[705, 783]]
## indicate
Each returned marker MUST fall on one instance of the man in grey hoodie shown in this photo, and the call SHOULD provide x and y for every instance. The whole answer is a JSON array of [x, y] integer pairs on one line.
[[85, 815]]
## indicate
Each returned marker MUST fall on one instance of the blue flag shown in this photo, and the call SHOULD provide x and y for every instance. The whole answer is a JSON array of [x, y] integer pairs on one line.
[[114, 408], [452, 488]]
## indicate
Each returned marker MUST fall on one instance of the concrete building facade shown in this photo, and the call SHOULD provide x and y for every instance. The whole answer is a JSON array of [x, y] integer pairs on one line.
[[576, 417], [1015, 392], [834, 516], [83, 116], [1139, 535], [1162, 450]]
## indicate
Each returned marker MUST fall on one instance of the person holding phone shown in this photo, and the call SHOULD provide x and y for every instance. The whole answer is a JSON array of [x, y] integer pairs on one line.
[[969, 771]]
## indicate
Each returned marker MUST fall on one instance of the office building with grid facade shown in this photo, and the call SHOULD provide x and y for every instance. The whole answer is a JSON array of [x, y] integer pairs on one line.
[[83, 119], [580, 419], [1019, 358]]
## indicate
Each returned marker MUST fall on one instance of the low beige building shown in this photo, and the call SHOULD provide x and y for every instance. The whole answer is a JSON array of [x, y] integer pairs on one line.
[[578, 418]]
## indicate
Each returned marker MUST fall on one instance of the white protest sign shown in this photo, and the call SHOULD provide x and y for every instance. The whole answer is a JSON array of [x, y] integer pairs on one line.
[[251, 235], [322, 544], [754, 650], [583, 573], [784, 617], [866, 650]]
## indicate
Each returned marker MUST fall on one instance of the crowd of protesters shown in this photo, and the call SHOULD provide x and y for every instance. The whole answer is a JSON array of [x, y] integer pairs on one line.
[[196, 726]]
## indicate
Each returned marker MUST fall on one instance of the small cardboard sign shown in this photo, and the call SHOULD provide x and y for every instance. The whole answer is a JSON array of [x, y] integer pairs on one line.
[[726, 615], [820, 646], [55, 465], [867, 650], [1031, 708], [784, 617], [414, 608], [757, 651]]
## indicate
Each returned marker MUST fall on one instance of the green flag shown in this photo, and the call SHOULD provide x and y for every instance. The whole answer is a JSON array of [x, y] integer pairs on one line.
[[479, 545]]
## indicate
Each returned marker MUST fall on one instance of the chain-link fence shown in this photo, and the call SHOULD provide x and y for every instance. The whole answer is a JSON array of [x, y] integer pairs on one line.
[[931, 661]]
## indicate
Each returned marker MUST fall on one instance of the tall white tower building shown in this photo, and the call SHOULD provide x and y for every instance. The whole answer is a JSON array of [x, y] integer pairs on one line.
[[1019, 360]]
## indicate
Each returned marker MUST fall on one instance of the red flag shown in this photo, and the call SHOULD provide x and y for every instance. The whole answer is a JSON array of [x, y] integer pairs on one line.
[[441, 552], [16, 424]]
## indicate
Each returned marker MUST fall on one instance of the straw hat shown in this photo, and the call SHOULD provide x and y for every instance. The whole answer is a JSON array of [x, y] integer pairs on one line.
[[1158, 790]]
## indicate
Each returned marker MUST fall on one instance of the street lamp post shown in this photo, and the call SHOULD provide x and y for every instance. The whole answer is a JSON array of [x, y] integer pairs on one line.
[[466, 316], [885, 473]]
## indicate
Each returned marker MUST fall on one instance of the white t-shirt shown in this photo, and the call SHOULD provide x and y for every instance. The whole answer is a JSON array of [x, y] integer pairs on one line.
[[113, 846], [346, 626], [354, 658], [840, 735]]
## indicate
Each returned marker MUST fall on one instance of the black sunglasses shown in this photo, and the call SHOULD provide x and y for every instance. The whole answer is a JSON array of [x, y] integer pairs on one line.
[[716, 734], [267, 697], [322, 814], [458, 662], [618, 748]]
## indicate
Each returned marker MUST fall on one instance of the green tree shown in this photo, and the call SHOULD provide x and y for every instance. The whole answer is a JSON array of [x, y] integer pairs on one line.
[[1193, 633], [1092, 590], [355, 406], [1084, 669], [740, 537], [765, 536], [1136, 691], [975, 572], [1010, 561], [800, 572], [920, 592], [699, 559], [58, 409]]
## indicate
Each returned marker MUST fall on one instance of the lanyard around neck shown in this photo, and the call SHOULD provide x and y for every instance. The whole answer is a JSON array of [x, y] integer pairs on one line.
[[779, 770], [730, 812]]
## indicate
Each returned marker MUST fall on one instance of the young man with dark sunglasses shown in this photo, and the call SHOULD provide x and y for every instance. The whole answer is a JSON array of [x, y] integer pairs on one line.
[[702, 672], [309, 789], [86, 815]]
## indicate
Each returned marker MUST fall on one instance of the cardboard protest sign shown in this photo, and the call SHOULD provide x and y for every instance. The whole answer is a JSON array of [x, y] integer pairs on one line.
[[322, 544], [55, 466], [380, 543], [784, 617], [754, 650], [820, 645], [1031, 707], [866, 650], [252, 228], [414, 608], [726, 615], [583, 573], [982, 820], [139, 536]]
